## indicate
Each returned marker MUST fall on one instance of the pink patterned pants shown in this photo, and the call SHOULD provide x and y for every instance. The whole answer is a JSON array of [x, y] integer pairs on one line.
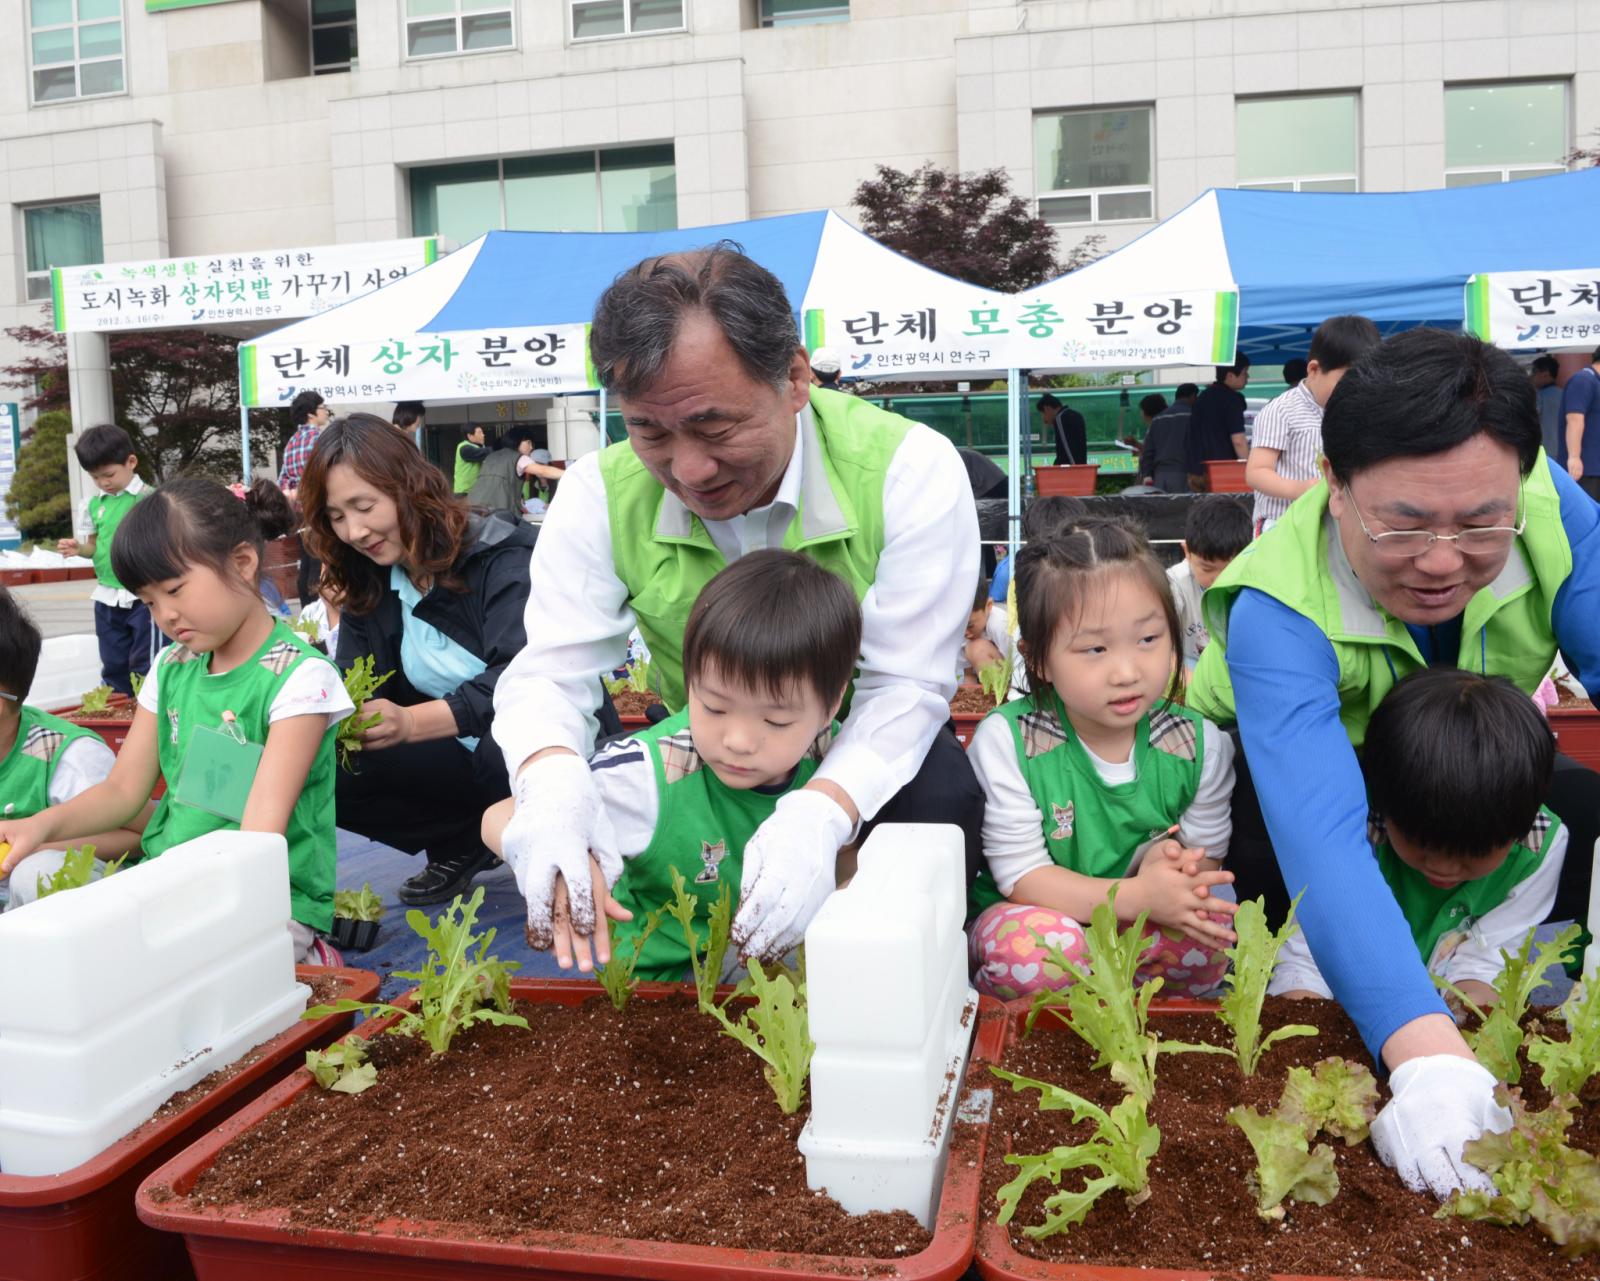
[[1008, 961]]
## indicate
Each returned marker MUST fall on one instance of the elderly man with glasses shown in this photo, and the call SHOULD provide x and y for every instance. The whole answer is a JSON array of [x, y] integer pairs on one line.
[[1441, 535]]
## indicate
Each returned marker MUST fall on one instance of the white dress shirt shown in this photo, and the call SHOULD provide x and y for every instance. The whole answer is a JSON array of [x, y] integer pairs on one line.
[[914, 615]]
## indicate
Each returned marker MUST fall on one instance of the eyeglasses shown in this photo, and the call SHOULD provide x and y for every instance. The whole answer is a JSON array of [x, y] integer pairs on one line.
[[1408, 544]]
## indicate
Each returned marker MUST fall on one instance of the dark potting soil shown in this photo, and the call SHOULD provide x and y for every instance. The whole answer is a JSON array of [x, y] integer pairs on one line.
[[116, 712], [1201, 1214], [970, 700], [632, 702], [650, 1124]]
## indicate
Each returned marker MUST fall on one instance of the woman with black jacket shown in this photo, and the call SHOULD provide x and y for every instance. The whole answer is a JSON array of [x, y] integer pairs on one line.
[[435, 594]]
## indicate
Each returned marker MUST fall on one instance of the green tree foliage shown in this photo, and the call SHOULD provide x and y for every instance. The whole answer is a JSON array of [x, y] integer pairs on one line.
[[39, 501]]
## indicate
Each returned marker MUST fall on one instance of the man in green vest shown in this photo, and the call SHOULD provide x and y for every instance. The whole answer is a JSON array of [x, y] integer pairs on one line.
[[1441, 535], [730, 450], [470, 454]]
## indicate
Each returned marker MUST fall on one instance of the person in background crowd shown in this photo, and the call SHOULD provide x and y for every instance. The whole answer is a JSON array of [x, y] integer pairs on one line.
[[408, 419], [1216, 427], [1217, 530], [498, 488], [309, 413], [1544, 371], [1580, 412], [825, 367], [1294, 369], [1067, 429], [470, 454], [1164, 457]]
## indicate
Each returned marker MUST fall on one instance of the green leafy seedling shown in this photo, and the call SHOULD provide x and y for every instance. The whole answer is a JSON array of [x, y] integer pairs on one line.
[[1335, 1096], [705, 962], [775, 1028], [343, 1067], [97, 701], [1537, 1178], [456, 987], [1498, 1036], [136, 683], [995, 678], [361, 685], [358, 905], [616, 976], [637, 681], [1566, 1066], [1287, 1166], [1254, 954], [1121, 1147], [307, 630], [76, 871]]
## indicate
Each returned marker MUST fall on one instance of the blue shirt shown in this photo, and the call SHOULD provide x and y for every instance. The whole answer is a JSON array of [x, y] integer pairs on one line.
[[433, 663], [1001, 581], [1285, 684], [1582, 396]]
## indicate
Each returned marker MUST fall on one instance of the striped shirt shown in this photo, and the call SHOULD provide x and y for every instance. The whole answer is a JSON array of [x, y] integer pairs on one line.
[[1291, 424]]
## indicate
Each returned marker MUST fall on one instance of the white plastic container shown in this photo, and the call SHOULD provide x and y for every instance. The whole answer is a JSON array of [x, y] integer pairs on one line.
[[892, 1017], [68, 665], [116, 996]]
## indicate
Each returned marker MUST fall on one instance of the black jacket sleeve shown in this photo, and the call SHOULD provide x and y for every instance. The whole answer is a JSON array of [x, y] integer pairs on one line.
[[475, 453], [501, 597]]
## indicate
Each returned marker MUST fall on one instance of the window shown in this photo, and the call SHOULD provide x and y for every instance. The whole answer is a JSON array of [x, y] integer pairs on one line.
[[796, 13], [438, 28], [75, 49], [621, 189], [333, 36], [1094, 166], [1499, 133], [595, 19], [60, 236], [1298, 144]]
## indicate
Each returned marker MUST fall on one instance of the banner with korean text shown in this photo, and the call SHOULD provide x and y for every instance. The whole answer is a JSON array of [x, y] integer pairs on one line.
[[1062, 326], [208, 289], [1535, 308]]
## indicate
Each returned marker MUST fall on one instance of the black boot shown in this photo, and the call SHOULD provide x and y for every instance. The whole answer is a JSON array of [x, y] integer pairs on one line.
[[445, 876]]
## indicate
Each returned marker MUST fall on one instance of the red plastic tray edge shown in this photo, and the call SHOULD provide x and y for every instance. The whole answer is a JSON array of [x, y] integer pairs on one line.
[[18, 1190], [995, 1258], [946, 1258]]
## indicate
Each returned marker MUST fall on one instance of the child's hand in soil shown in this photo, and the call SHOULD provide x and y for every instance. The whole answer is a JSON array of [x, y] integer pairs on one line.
[[1479, 993], [568, 942], [1175, 889]]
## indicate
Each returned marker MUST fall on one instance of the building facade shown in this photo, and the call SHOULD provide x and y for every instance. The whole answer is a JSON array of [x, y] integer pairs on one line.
[[147, 128]]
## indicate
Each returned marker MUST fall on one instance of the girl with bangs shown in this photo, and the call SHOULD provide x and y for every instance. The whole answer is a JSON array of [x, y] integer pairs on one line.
[[433, 592], [236, 688], [1089, 777]]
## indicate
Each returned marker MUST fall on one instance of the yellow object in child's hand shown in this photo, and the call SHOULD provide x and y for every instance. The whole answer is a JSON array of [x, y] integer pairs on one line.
[[5, 851]]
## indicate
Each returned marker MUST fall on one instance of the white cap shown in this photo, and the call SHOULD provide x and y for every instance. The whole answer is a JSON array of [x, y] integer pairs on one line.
[[825, 360]]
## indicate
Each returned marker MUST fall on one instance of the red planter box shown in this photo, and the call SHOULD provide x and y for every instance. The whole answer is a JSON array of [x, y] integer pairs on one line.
[[111, 728], [81, 1223], [966, 724], [1578, 733], [1226, 476], [1071, 478], [260, 1245]]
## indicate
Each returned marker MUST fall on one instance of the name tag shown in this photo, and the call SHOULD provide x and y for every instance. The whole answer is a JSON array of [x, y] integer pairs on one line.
[[218, 772]]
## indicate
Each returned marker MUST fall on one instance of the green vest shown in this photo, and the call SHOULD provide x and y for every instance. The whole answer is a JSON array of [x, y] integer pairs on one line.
[[1449, 914], [845, 458], [28, 767], [106, 511], [1300, 561], [1090, 826], [702, 827], [189, 696], [466, 473]]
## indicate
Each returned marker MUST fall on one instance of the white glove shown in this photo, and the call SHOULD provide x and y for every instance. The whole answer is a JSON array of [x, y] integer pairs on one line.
[[788, 872], [1441, 1101], [557, 824]]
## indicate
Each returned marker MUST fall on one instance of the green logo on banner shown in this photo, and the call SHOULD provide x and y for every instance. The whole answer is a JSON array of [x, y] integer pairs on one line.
[[815, 328], [1475, 306]]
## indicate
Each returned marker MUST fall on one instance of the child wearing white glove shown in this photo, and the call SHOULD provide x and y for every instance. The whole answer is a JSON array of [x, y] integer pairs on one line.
[[768, 651]]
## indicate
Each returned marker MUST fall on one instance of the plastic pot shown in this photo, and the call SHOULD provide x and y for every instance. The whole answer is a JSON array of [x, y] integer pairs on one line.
[[239, 1244], [81, 1223], [354, 936], [1226, 476], [1577, 732], [966, 724], [1070, 478]]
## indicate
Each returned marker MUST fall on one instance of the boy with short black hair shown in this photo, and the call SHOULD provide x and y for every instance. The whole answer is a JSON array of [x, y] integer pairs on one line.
[[121, 621], [1217, 530], [988, 637], [1287, 438], [1457, 767], [44, 760], [769, 649]]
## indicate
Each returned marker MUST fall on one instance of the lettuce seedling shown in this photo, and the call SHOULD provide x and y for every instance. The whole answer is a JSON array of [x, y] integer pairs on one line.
[[1254, 955], [343, 1067], [358, 905], [616, 975], [1566, 1066], [705, 963], [1537, 1178], [96, 702], [1105, 1005], [76, 871], [995, 678], [1335, 1096], [1123, 1142], [1498, 1036], [360, 684], [455, 987], [775, 1028], [1286, 1163], [637, 681]]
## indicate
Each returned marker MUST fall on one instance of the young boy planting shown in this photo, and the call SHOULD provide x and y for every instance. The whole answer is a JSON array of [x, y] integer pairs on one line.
[[768, 652], [1457, 767]]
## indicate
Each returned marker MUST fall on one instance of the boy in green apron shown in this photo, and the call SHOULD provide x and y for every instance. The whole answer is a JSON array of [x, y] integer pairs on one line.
[[768, 652], [1457, 767]]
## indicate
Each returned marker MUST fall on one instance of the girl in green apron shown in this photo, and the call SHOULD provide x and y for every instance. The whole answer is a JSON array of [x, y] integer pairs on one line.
[[237, 715]]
